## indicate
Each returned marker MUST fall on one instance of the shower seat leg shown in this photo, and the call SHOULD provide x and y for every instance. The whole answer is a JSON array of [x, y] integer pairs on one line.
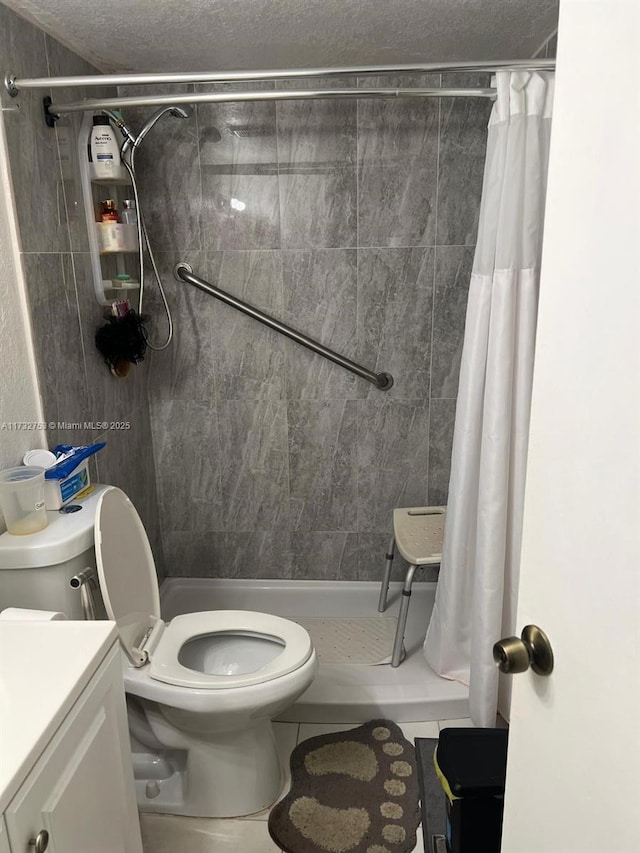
[[384, 588], [402, 618]]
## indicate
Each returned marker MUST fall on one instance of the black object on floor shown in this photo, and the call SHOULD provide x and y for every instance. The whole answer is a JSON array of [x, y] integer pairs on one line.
[[472, 766], [432, 797]]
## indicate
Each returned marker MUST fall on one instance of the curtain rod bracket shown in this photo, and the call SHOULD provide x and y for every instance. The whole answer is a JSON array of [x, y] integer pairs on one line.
[[10, 85], [49, 117]]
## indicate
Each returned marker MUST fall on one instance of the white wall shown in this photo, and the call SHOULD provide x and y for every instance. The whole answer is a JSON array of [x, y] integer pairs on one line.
[[19, 393]]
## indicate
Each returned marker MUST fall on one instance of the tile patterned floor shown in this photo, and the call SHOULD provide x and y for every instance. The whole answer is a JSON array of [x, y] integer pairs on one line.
[[168, 833]]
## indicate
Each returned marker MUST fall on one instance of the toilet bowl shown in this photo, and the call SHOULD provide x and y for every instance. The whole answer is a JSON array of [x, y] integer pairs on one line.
[[206, 686], [210, 688]]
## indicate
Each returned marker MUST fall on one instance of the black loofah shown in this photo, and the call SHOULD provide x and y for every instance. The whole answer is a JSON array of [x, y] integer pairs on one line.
[[123, 340]]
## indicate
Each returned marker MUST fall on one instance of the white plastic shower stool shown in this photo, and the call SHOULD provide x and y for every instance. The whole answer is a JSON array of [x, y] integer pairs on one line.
[[418, 533]]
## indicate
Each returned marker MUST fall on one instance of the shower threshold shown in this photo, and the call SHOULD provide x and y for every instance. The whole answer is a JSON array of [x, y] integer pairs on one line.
[[340, 693]]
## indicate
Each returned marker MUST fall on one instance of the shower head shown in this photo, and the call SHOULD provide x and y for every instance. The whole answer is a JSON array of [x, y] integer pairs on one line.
[[178, 112], [132, 140], [181, 112]]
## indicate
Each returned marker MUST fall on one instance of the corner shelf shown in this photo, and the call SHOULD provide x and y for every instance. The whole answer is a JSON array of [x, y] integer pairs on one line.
[[109, 243]]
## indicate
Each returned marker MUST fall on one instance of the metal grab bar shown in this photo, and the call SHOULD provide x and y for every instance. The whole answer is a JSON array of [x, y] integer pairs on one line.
[[184, 272]]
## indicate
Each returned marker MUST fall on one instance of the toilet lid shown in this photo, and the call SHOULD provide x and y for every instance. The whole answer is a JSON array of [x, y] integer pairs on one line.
[[124, 559]]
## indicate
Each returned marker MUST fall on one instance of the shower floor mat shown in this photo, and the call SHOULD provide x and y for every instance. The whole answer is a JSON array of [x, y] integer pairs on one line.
[[364, 640]]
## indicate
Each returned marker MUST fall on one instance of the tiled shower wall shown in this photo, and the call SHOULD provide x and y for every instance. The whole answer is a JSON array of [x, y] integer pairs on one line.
[[354, 221], [76, 386]]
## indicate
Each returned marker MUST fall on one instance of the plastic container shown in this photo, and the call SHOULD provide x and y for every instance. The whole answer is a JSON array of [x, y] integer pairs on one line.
[[39, 458], [57, 493], [22, 499], [69, 477]]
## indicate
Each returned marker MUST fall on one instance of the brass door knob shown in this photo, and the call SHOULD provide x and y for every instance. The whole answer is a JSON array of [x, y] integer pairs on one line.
[[531, 649]]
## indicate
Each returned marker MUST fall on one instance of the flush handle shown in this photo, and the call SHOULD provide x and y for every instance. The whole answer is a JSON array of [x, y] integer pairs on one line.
[[531, 649], [40, 842]]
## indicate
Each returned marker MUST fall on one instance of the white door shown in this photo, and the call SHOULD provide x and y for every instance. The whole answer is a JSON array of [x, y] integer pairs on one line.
[[573, 774]]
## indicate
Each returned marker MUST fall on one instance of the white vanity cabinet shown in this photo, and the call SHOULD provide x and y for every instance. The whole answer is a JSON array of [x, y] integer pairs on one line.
[[76, 794]]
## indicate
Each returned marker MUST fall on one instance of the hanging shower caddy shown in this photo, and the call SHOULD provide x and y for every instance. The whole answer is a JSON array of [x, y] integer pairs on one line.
[[113, 246]]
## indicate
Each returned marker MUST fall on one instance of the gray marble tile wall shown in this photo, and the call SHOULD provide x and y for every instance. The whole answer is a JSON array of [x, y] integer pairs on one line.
[[75, 384], [355, 221], [549, 49]]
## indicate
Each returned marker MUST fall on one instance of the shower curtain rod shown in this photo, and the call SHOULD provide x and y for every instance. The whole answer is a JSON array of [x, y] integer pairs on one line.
[[54, 110], [15, 84]]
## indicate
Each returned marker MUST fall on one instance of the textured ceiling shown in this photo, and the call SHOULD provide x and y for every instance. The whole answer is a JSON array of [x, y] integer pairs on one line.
[[165, 35]]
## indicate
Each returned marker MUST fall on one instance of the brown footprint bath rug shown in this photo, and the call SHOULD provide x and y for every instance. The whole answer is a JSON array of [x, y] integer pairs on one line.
[[351, 792]]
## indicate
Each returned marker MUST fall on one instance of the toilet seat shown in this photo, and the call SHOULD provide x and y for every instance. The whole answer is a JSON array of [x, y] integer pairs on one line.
[[166, 666], [129, 586]]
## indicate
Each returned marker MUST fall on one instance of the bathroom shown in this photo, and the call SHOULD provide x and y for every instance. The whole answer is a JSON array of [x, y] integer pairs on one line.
[[249, 459]]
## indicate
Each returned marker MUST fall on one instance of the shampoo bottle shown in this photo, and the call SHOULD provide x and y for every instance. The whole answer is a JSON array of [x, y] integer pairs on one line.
[[104, 152]]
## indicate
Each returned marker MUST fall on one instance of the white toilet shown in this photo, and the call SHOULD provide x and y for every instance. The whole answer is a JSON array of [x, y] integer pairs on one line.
[[202, 689]]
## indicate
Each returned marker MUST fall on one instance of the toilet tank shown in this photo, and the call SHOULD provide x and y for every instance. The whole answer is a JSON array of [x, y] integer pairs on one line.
[[36, 570]]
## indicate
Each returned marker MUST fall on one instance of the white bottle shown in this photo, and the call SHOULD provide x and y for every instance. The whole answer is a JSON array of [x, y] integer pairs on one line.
[[104, 152]]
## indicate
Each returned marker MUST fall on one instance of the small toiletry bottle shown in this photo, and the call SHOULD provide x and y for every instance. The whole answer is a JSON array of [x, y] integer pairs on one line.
[[129, 213], [109, 212], [104, 151]]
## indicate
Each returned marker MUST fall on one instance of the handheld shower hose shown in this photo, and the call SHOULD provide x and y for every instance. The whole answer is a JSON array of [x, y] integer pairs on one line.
[[127, 155]]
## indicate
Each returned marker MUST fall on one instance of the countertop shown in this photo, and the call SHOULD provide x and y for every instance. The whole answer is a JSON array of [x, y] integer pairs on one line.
[[44, 667]]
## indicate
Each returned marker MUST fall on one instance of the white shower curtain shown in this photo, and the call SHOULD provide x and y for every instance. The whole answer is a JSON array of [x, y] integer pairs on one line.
[[478, 583]]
